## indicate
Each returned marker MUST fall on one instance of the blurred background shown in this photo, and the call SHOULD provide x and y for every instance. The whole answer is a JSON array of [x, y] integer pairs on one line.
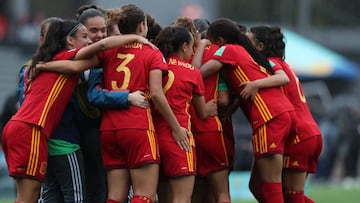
[[323, 47]]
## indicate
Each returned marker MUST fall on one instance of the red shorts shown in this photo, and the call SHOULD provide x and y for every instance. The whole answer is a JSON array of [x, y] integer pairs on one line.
[[175, 161], [129, 148], [228, 132], [25, 149], [211, 153], [303, 155], [271, 137]]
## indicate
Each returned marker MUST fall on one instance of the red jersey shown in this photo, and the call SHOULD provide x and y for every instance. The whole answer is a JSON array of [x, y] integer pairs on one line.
[[211, 123], [305, 123], [183, 80], [47, 96], [268, 102], [127, 68]]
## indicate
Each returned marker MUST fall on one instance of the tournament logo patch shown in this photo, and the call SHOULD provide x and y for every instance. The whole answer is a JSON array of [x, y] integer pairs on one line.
[[272, 64], [220, 51], [43, 168]]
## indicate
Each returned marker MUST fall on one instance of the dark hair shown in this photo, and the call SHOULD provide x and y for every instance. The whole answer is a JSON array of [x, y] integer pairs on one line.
[[47, 22], [242, 28], [272, 38], [89, 11], [171, 38], [153, 28], [130, 17], [231, 34], [55, 40], [201, 26]]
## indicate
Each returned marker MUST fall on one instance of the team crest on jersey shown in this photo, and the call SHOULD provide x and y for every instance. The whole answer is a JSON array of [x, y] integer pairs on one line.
[[220, 51], [43, 168]]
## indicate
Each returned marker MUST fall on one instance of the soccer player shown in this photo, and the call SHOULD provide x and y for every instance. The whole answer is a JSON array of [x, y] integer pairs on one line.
[[182, 86], [92, 97], [267, 113], [154, 28], [302, 152], [112, 17], [41, 111], [93, 18], [26, 135], [63, 146], [129, 144], [188, 24], [213, 170]]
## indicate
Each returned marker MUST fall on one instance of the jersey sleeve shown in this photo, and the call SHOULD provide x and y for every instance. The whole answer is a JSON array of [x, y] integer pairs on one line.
[[66, 55], [157, 61], [101, 97], [275, 65], [225, 55]]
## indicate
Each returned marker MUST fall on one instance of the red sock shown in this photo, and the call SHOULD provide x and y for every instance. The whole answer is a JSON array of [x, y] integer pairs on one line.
[[271, 192], [308, 200], [140, 199], [294, 196], [112, 201]]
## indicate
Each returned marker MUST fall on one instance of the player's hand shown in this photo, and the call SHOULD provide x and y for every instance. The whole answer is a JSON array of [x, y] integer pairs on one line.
[[146, 41], [33, 73], [182, 139], [249, 90], [212, 107], [205, 42], [138, 99]]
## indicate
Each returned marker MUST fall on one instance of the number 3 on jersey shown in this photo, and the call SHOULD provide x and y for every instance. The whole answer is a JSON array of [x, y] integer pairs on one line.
[[123, 68]]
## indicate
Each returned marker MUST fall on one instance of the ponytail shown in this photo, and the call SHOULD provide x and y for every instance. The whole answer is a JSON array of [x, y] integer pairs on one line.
[[55, 40]]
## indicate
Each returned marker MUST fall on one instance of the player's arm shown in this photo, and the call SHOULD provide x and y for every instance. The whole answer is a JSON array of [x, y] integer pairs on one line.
[[210, 67], [161, 104], [109, 43], [86, 56], [68, 66], [203, 109], [99, 96], [251, 87], [22, 83], [197, 59]]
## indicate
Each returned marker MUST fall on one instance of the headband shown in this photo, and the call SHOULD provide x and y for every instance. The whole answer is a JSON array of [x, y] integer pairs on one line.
[[74, 29]]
